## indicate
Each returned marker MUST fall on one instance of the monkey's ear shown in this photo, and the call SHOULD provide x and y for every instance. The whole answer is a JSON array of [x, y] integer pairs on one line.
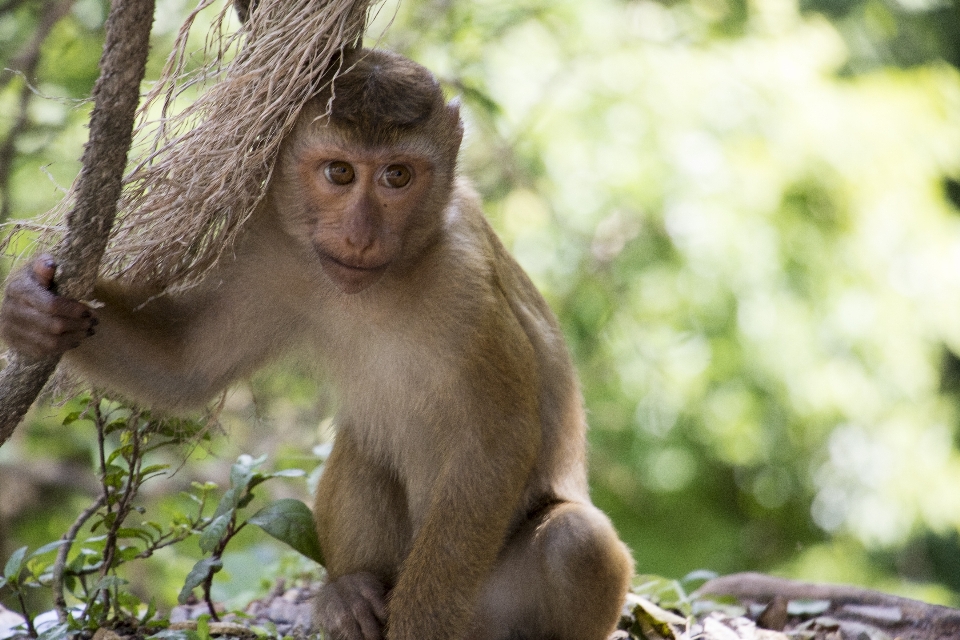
[[453, 108], [456, 124]]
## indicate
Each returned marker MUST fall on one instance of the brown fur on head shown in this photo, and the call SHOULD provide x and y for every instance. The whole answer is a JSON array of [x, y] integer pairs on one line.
[[383, 90], [382, 99]]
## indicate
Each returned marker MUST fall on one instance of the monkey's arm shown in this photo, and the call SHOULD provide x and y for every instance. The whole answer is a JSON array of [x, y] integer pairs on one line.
[[176, 352], [168, 351]]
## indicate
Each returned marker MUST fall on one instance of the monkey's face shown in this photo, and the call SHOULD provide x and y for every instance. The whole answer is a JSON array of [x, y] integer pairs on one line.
[[360, 209]]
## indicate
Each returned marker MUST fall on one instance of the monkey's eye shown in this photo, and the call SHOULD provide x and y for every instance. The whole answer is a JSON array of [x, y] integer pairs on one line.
[[396, 176], [339, 172]]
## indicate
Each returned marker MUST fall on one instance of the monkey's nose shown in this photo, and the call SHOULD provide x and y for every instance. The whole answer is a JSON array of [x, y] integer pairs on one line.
[[360, 232], [359, 242]]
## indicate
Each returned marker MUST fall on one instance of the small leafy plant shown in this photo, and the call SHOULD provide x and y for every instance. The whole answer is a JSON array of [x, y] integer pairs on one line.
[[86, 569], [287, 520], [23, 571]]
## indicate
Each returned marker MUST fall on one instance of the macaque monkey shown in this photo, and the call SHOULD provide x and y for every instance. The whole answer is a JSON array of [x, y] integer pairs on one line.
[[454, 504]]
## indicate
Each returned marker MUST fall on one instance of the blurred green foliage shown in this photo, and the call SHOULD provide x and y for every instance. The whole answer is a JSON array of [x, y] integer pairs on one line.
[[745, 215]]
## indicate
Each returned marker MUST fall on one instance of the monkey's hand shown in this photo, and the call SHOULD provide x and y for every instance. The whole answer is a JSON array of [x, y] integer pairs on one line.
[[36, 321], [352, 607]]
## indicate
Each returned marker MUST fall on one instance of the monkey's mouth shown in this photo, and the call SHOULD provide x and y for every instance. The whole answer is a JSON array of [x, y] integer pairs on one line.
[[352, 267], [351, 278]]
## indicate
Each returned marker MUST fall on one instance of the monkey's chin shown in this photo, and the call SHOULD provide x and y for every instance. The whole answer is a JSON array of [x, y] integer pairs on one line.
[[349, 279]]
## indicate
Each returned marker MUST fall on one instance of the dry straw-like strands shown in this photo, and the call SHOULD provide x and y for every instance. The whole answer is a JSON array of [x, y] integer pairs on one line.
[[199, 174]]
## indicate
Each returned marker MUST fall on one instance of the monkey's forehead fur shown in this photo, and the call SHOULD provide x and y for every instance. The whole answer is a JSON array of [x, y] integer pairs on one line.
[[380, 98]]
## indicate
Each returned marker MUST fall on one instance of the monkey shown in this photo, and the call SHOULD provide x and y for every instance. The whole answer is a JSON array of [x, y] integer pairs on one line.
[[454, 503]]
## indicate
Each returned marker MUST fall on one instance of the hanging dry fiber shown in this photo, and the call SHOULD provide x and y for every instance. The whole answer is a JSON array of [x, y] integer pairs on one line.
[[199, 174]]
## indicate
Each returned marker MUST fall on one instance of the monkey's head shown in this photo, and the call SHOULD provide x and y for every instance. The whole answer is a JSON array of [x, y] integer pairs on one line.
[[364, 183]]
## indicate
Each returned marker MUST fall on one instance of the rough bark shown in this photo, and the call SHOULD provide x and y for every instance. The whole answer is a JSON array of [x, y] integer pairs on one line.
[[116, 95]]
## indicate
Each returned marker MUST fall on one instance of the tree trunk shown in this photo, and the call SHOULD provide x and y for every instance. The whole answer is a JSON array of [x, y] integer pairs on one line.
[[116, 95]]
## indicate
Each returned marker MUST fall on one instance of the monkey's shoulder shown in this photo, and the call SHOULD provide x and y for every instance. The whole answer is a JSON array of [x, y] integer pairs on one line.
[[490, 287]]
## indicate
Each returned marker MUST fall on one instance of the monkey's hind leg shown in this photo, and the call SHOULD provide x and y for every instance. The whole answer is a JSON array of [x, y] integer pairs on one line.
[[562, 576]]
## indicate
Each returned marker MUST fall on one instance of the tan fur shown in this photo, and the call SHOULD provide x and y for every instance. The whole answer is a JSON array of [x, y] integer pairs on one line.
[[454, 504]]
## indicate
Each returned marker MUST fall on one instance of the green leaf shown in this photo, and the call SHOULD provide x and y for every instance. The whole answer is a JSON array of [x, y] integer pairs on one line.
[[242, 470], [114, 477], [215, 532], [199, 573], [44, 575], [108, 522], [699, 575], [291, 522], [75, 566], [133, 532], [113, 455], [50, 546], [149, 613], [178, 429], [171, 634], [203, 627], [288, 473], [480, 98], [116, 425], [109, 582], [245, 500], [126, 554], [58, 632], [14, 564], [228, 503], [153, 469], [128, 602], [651, 618]]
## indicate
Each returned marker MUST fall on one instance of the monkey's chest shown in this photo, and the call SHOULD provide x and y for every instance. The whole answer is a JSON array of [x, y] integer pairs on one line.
[[398, 395]]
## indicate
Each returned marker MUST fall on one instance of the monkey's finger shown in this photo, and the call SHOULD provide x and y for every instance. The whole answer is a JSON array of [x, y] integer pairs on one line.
[[32, 288], [44, 267], [54, 318], [37, 334], [58, 335], [352, 630], [370, 627], [334, 613], [56, 306], [373, 591], [71, 309], [379, 607], [341, 626], [38, 345]]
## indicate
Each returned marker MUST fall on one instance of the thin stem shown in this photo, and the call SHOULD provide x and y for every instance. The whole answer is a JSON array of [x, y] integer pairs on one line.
[[134, 479], [60, 563], [207, 599], [26, 614], [101, 440]]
